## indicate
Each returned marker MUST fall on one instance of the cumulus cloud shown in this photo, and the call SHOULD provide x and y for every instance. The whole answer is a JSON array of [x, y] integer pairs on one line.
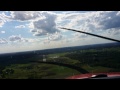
[[38, 32], [24, 40], [55, 37], [33, 30], [3, 41], [24, 15], [97, 22], [30, 25], [3, 18], [20, 26], [21, 40], [93, 20], [18, 38], [109, 20], [46, 25], [112, 32], [15, 38]]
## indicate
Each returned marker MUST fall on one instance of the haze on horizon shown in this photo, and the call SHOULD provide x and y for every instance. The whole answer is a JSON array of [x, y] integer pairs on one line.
[[38, 30]]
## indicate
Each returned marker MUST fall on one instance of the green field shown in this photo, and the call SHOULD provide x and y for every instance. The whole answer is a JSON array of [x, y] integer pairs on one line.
[[96, 69], [38, 71], [92, 61]]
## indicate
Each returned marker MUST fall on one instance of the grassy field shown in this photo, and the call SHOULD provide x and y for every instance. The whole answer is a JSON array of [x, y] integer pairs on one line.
[[39, 71], [96, 69]]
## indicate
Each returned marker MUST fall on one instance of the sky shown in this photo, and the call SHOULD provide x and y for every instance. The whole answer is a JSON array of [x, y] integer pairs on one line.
[[38, 30]]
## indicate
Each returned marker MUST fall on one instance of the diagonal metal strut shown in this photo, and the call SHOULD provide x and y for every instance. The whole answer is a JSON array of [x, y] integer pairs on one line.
[[92, 34]]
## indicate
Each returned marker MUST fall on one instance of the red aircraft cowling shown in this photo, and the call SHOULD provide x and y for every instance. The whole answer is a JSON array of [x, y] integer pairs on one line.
[[89, 75]]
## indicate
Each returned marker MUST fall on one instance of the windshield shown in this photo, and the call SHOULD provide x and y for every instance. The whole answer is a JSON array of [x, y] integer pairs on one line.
[[37, 44]]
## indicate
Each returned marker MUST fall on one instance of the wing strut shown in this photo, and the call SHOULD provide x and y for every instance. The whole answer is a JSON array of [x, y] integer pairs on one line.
[[92, 34]]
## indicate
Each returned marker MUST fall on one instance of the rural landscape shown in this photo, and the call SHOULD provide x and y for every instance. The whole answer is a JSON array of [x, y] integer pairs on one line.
[[60, 63]]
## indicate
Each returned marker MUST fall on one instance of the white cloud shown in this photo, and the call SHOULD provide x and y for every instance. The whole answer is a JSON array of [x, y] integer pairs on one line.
[[46, 25], [39, 32], [24, 15], [15, 38], [91, 20], [33, 30], [20, 26], [19, 39], [2, 32], [94, 22], [30, 25], [1, 23], [106, 23], [118, 13], [3, 19], [3, 41], [55, 37], [111, 32]]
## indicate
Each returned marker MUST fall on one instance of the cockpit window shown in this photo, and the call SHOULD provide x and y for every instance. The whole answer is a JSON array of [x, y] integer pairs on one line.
[[51, 44]]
